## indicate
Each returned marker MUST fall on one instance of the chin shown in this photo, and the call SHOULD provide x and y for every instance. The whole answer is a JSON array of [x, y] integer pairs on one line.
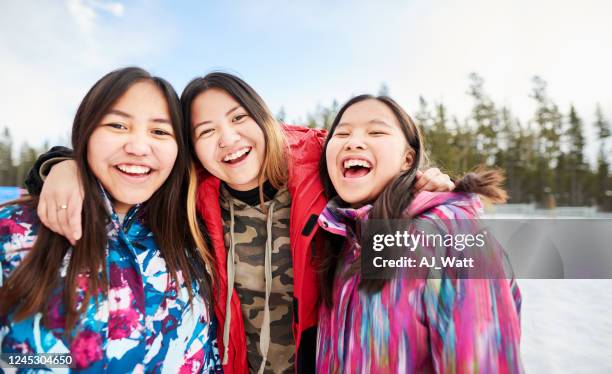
[[134, 199], [352, 199]]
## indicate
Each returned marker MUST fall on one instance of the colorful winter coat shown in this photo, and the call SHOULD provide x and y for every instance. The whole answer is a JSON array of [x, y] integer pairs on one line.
[[416, 325], [142, 325]]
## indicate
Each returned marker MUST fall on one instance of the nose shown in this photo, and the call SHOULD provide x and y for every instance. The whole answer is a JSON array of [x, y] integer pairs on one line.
[[229, 136], [137, 145], [355, 142]]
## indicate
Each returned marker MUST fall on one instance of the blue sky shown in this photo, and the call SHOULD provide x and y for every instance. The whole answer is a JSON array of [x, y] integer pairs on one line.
[[300, 54]]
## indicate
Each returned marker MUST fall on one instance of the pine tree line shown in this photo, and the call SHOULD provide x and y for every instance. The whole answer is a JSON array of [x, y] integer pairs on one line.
[[13, 169], [543, 158]]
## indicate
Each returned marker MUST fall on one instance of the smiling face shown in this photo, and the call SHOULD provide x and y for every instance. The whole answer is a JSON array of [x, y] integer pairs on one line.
[[366, 151], [133, 148], [227, 140]]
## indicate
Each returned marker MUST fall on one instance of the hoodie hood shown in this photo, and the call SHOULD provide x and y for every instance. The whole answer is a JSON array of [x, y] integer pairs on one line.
[[425, 201]]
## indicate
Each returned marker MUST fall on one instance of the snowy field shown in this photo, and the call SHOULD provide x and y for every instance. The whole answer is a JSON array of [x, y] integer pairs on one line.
[[566, 323]]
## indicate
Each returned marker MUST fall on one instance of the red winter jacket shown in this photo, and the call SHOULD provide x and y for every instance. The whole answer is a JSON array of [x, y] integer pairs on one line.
[[307, 202]]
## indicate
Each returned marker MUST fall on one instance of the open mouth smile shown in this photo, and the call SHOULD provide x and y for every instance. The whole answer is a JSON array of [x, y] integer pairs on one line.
[[133, 170], [356, 168], [237, 156]]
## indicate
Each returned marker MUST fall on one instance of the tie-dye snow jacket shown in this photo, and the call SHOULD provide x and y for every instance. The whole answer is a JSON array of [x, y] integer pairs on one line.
[[143, 325], [417, 324]]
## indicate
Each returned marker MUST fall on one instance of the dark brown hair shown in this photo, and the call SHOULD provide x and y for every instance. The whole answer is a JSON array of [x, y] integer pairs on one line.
[[28, 289], [396, 196]]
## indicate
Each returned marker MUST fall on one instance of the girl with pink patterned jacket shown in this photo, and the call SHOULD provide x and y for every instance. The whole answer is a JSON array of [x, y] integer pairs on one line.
[[404, 324]]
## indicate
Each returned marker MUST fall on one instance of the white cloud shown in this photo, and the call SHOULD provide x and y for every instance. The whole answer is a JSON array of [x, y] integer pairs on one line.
[[53, 52], [84, 15], [84, 12], [115, 9]]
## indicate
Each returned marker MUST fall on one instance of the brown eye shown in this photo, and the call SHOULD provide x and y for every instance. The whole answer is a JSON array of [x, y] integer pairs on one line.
[[240, 117], [116, 126], [161, 132], [205, 132]]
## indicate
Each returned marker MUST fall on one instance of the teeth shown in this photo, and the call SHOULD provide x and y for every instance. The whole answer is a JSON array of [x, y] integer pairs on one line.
[[134, 169], [356, 162], [235, 155]]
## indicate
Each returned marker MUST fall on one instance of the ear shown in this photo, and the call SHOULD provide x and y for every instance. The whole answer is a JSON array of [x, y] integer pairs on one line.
[[408, 159]]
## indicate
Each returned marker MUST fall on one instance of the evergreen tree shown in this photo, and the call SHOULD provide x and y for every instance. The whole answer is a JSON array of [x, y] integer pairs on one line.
[[438, 140], [464, 147], [383, 90], [576, 165], [509, 155], [27, 158], [281, 116], [423, 117], [7, 169], [549, 126], [323, 116], [603, 188], [485, 120]]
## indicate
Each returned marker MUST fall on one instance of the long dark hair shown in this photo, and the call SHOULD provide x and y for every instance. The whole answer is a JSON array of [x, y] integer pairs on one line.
[[29, 288], [396, 196]]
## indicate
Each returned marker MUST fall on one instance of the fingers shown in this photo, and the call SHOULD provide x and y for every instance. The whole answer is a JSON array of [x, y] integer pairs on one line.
[[62, 221], [41, 210], [430, 186], [433, 180], [52, 221], [450, 185], [421, 180], [427, 180], [442, 183], [61, 201], [73, 229]]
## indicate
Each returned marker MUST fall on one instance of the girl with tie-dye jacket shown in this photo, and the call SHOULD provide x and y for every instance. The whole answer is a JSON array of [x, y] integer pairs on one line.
[[130, 295], [405, 324]]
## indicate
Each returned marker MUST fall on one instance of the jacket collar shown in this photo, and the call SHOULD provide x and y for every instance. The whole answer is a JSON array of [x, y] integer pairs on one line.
[[115, 224], [337, 215]]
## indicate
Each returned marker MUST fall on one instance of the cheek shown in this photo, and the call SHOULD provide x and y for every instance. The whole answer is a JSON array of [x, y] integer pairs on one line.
[[256, 133], [390, 156], [331, 155], [167, 154], [99, 147], [205, 151]]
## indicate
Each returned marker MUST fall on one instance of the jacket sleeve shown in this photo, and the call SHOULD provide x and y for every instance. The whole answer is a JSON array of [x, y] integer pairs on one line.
[[213, 363], [321, 135], [34, 179], [17, 235], [474, 324]]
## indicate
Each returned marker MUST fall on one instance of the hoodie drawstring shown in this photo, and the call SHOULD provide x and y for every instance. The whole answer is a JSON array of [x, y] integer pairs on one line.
[[264, 334], [230, 286]]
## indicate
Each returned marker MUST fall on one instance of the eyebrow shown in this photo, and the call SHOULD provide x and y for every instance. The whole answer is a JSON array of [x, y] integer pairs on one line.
[[209, 121], [128, 116], [371, 122], [379, 122]]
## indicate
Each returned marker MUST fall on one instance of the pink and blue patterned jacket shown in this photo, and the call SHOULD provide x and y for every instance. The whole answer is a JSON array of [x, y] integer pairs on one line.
[[143, 325], [418, 324]]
